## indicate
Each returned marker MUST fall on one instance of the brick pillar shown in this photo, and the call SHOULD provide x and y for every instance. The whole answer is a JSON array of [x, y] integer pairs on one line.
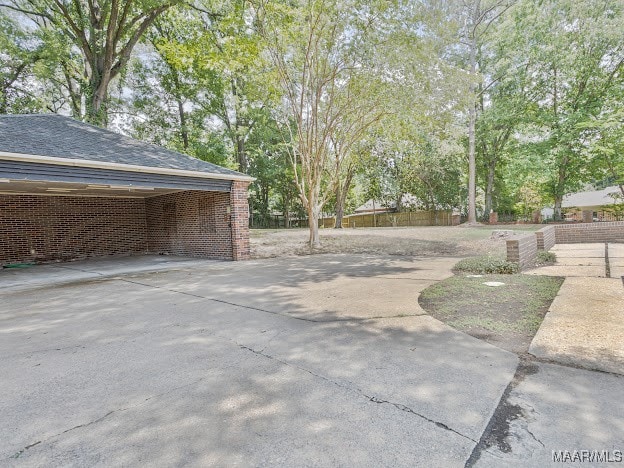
[[239, 219], [493, 217], [587, 216]]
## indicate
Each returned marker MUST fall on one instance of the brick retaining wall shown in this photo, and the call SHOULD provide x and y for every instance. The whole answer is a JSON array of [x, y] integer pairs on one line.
[[522, 250], [589, 232], [545, 238]]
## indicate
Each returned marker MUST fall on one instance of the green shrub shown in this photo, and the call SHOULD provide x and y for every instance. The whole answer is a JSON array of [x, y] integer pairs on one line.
[[487, 265], [545, 258]]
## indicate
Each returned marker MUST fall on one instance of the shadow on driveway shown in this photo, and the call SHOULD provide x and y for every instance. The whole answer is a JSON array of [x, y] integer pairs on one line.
[[181, 367]]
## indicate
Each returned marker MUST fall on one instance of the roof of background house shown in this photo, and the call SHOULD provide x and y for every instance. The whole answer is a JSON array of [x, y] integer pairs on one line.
[[378, 206], [408, 200], [57, 136], [591, 198]]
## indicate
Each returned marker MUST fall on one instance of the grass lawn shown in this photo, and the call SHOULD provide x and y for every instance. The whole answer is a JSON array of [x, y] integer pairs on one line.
[[507, 316]]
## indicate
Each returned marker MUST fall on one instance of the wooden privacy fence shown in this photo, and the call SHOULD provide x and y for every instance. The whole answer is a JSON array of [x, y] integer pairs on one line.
[[406, 218]]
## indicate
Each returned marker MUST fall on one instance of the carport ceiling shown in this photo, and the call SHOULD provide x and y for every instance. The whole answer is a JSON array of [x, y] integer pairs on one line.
[[20, 187]]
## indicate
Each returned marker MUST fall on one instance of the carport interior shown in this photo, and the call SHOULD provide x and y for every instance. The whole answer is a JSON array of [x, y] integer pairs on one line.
[[43, 221]]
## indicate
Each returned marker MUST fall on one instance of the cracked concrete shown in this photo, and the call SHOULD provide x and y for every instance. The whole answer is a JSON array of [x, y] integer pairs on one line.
[[372, 399], [258, 364], [228, 364], [561, 408]]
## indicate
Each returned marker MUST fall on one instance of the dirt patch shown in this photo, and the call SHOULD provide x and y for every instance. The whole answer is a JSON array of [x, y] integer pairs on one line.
[[507, 316], [409, 241]]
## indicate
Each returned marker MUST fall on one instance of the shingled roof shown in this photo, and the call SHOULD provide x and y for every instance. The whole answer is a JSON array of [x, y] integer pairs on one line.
[[593, 198], [57, 136]]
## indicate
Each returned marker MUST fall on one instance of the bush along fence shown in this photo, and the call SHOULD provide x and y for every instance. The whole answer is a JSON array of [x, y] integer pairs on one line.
[[401, 219], [523, 249]]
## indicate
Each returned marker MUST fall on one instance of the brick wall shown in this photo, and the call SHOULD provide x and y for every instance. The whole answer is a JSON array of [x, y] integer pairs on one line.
[[240, 220], [545, 238], [191, 223], [589, 232], [522, 250], [47, 228]]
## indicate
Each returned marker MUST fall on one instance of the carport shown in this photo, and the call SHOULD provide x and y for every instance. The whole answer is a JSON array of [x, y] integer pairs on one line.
[[69, 190]]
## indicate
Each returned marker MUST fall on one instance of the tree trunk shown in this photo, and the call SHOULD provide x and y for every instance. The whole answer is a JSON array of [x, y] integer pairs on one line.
[[557, 210], [241, 156], [339, 207], [374, 214], [183, 129], [560, 187], [489, 187], [313, 217], [472, 121], [472, 117], [472, 169], [286, 214], [341, 196], [3, 101], [97, 113]]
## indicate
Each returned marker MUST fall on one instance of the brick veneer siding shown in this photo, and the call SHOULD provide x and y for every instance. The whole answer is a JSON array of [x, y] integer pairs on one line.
[[545, 238], [69, 228], [240, 220], [191, 223], [589, 232], [522, 250]]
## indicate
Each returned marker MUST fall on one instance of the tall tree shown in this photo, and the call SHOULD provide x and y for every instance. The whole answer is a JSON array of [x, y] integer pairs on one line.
[[220, 54], [17, 59], [477, 16], [105, 32], [569, 88], [606, 134], [326, 107]]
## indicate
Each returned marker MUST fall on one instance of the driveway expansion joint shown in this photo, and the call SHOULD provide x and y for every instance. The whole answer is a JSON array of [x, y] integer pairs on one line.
[[293, 317]]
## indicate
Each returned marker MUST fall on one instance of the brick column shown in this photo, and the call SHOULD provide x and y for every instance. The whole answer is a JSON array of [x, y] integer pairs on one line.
[[522, 250], [239, 219]]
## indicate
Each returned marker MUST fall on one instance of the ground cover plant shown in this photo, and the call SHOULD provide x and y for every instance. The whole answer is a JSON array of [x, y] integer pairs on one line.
[[546, 258], [487, 264], [507, 316]]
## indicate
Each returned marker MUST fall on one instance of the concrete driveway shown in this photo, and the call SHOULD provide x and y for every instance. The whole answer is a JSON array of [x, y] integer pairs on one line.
[[308, 361]]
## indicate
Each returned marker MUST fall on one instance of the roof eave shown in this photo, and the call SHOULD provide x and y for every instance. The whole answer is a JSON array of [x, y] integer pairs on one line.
[[121, 167]]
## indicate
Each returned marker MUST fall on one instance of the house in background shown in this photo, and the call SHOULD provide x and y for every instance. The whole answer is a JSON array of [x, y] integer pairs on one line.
[[69, 190], [407, 201], [605, 205]]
